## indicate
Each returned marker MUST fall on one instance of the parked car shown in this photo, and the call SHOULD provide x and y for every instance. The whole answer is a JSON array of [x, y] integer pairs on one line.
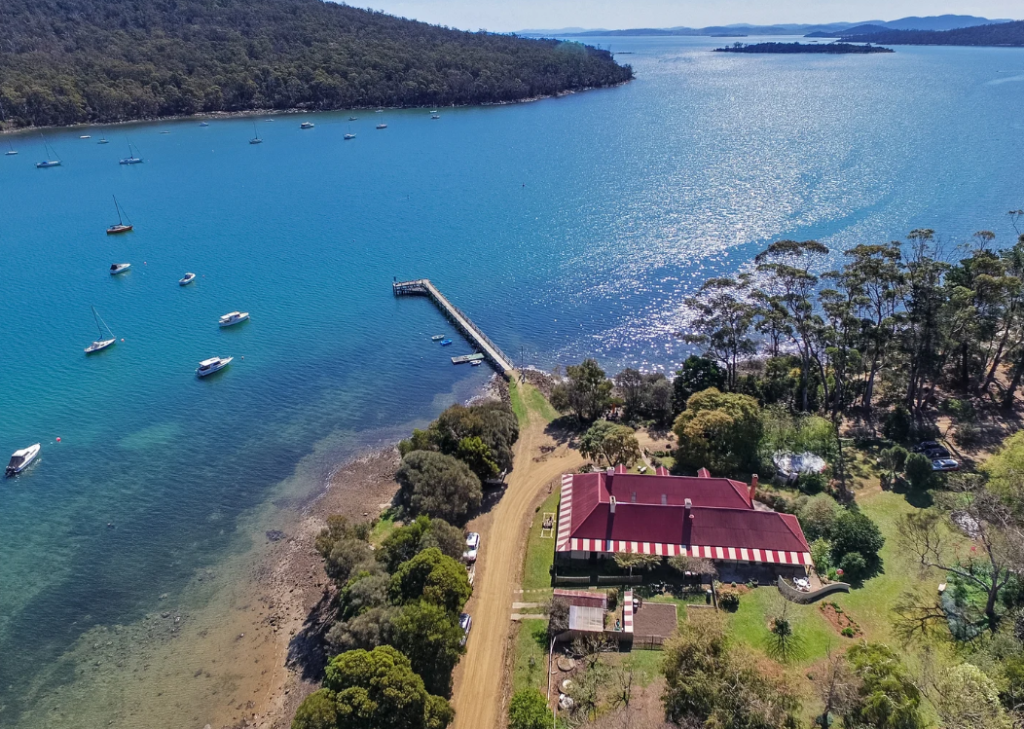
[[945, 464], [472, 545], [465, 622]]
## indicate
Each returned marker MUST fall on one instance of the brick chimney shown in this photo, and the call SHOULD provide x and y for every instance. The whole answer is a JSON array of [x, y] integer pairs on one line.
[[611, 504], [753, 488]]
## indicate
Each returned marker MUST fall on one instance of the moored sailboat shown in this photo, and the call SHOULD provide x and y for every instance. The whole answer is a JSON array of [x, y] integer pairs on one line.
[[133, 158], [256, 139], [120, 227], [101, 343], [55, 162]]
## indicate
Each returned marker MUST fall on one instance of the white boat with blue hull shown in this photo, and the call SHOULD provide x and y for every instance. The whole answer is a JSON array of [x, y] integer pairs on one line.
[[20, 460], [186, 279]]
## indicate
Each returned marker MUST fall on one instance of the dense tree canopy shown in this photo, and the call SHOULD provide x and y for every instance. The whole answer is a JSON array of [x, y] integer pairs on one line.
[[432, 577], [114, 60], [372, 690], [719, 431], [438, 485]]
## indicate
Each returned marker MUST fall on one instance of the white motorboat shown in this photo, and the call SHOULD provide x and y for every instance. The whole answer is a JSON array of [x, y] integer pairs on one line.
[[116, 268], [214, 364], [435, 116], [234, 317], [306, 125], [382, 126], [20, 460], [104, 341], [186, 279], [85, 136], [350, 136], [102, 141]]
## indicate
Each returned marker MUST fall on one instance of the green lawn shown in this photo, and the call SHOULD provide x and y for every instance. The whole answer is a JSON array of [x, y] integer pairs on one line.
[[528, 401], [531, 656], [540, 553]]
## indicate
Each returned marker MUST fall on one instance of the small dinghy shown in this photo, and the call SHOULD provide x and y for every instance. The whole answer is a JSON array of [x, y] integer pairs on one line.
[[204, 124], [116, 268], [20, 460], [234, 317], [306, 125], [353, 118], [104, 341], [186, 279], [437, 338], [476, 363], [445, 342], [214, 364]]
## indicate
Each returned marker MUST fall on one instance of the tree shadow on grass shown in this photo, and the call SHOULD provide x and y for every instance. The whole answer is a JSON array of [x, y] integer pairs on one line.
[[917, 498], [564, 430]]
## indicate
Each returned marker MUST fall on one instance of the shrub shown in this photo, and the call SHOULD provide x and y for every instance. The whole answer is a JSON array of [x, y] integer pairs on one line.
[[613, 599], [528, 710], [919, 472], [897, 424], [821, 555], [848, 632], [729, 601], [855, 532], [853, 565], [817, 516]]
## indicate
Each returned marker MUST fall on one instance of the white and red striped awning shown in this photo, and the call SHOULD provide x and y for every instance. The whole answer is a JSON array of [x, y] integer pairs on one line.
[[720, 554]]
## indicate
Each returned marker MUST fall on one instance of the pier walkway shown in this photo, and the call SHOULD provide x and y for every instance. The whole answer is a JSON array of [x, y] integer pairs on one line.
[[423, 287]]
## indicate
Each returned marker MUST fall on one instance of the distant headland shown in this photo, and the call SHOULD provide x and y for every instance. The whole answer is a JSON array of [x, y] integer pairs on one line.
[[98, 61], [831, 48]]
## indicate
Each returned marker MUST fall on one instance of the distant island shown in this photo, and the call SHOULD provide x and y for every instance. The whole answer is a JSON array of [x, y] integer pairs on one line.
[[802, 48], [94, 61], [995, 34], [819, 30]]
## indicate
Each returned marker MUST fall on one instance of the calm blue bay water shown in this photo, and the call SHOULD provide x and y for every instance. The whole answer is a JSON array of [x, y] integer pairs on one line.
[[567, 227]]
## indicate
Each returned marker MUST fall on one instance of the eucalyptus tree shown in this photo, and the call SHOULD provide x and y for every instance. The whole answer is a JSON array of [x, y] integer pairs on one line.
[[725, 316], [874, 275], [923, 298], [788, 291]]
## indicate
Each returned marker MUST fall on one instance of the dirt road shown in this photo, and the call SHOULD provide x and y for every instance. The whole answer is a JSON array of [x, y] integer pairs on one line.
[[478, 680]]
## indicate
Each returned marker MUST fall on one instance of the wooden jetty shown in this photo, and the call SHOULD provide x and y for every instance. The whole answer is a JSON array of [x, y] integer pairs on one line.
[[468, 358], [486, 348]]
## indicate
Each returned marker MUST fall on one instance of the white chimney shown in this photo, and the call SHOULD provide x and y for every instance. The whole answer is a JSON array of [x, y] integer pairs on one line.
[[611, 504], [688, 504], [664, 499]]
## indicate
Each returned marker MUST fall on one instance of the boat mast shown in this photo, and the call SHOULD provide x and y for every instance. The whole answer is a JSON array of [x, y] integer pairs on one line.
[[118, 208]]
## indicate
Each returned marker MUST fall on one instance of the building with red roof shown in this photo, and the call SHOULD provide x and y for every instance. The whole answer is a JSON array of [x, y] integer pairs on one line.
[[609, 512]]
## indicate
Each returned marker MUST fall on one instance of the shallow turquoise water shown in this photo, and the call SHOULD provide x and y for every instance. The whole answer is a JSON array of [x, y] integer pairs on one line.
[[566, 227]]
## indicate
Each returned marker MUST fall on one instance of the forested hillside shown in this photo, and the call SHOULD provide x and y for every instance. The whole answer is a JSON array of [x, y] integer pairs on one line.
[[997, 34], [70, 61]]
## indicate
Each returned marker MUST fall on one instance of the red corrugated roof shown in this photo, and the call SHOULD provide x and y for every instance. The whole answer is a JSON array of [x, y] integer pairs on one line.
[[722, 514]]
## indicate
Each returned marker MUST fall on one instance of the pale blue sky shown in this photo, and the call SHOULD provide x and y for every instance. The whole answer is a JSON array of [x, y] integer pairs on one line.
[[506, 15]]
